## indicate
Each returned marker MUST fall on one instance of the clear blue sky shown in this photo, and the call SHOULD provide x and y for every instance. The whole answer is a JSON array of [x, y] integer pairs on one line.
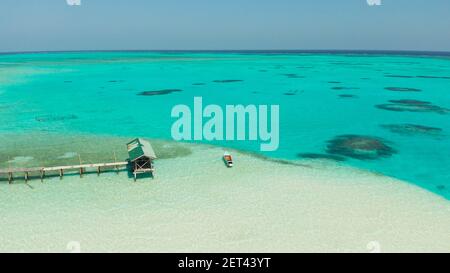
[[35, 25]]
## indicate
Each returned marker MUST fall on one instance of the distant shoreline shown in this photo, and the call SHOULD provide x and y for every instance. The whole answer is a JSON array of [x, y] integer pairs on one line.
[[250, 52]]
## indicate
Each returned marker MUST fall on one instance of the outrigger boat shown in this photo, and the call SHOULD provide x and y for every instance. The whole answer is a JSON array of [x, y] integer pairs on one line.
[[228, 160]]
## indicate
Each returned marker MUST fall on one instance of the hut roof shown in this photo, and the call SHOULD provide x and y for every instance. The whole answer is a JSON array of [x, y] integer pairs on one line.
[[140, 148]]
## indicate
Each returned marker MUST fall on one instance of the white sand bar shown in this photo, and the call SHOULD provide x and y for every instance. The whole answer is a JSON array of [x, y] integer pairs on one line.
[[196, 204]]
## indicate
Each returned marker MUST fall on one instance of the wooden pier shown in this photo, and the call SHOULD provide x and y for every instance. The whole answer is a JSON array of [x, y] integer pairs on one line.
[[141, 157], [11, 172]]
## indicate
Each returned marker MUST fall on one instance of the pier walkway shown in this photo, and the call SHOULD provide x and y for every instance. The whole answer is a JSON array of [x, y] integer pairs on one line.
[[81, 168]]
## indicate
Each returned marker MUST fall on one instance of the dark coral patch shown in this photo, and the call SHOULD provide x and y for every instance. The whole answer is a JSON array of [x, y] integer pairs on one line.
[[350, 63], [322, 156], [293, 76], [441, 187], [360, 147], [399, 76], [434, 77], [420, 77], [291, 93], [412, 106], [227, 81], [116, 81], [335, 82], [67, 81], [412, 129], [344, 88], [198, 84], [49, 118], [410, 102], [402, 89], [159, 92], [347, 96]]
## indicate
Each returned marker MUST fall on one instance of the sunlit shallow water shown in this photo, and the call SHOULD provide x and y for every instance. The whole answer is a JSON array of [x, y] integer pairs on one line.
[[384, 113]]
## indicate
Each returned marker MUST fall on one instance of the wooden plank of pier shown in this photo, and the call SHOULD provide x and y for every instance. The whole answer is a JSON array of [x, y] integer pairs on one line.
[[42, 170], [84, 166]]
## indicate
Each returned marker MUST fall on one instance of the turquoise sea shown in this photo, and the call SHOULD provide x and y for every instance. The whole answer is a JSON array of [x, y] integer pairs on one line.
[[384, 112]]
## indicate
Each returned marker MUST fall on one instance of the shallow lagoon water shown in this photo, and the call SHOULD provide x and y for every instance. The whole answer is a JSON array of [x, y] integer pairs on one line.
[[99, 93]]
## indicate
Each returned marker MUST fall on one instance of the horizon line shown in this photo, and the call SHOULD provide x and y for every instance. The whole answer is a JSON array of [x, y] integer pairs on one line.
[[280, 51]]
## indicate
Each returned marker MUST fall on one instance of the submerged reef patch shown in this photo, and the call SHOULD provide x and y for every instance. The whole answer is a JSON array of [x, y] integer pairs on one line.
[[399, 76], [348, 96], [412, 106], [420, 77], [159, 92], [227, 81], [322, 156], [47, 118], [343, 63], [291, 93], [410, 102], [360, 147], [434, 77], [198, 83], [293, 76], [344, 88], [412, 129], [402, 89]]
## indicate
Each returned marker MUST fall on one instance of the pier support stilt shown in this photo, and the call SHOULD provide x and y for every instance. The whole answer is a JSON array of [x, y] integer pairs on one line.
[[115, 160], [81, 168], [61, 173], [26, 176], [42, 175], [98, 171], [10, 178]]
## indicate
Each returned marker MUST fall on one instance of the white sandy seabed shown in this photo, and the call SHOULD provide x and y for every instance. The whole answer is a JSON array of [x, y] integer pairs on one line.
[[195, 204]]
